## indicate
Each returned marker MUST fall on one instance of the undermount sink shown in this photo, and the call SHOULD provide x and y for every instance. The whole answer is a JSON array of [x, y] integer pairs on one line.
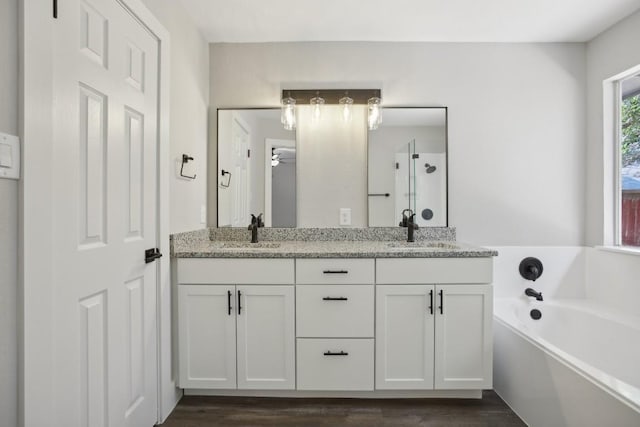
[[249, 245], [422, 245]]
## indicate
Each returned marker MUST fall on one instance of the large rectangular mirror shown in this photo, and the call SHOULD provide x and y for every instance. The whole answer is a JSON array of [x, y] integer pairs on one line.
[[306, 177]]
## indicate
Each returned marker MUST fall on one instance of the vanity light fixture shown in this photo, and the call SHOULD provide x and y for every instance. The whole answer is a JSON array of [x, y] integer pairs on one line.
[[346, 102], [374, 115], [288, 112], [316, 104], [346, 98]]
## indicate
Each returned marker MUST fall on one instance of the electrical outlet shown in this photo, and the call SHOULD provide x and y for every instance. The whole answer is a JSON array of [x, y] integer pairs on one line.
[[345, 216], [203, 214]]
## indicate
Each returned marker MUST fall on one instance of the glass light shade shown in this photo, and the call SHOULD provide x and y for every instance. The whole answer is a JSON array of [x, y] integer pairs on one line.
[[374, 117], [288, 113], [346, 103], [316, 103]]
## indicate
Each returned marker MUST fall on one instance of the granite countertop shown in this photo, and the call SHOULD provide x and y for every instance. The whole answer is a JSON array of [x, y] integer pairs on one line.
[[323, 244], [330, 249]]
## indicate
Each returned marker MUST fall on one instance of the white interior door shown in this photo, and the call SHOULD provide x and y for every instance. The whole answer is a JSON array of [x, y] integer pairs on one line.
[[240, 134], [404, 337], [266, 337], [105, 72]]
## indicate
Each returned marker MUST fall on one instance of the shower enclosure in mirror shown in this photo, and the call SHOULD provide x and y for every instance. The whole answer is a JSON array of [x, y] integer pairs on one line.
[[303, 177], [408, 167]]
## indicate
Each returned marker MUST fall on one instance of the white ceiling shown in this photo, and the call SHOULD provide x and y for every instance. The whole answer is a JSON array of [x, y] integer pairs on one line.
[[406, 20]]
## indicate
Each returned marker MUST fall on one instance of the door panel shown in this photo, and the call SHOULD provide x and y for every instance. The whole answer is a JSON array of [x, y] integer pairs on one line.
[[207, 335], [404, 337], [266, 337], [104, 217], [464, 337]]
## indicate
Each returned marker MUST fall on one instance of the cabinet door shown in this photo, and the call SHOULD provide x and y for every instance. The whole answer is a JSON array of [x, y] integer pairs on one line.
[[404, 337], [463, 337], [207, 336], [266, 337]]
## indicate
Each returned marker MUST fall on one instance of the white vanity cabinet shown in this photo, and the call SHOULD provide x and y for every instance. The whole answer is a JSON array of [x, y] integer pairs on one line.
[[434, 336], [336, 326], [236, 336]]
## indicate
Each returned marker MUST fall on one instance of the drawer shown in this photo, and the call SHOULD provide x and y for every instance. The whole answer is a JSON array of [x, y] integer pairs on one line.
[[335, 364], [409, 271], [335, 271], [235, 271], [332, 311]]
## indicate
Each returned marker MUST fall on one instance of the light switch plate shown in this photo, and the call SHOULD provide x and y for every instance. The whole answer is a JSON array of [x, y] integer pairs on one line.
[[345, 216], [9, 156], [203, 214]]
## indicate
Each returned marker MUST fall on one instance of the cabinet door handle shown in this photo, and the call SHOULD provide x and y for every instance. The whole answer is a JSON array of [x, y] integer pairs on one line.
[[431, 301], [331, 353], [229, 302], [441, 307], [239, 304], [335, 271], [335, 299]]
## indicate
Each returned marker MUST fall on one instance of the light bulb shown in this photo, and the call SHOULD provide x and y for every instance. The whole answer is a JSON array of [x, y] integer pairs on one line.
[[374, 117], [288, 113], [316, 103], [346, 103]]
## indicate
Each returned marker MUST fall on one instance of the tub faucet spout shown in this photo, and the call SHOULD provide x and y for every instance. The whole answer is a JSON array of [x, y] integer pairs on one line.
[[532, 293]]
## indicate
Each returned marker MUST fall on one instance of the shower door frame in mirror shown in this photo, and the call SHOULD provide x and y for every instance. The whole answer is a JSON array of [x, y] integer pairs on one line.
[[426, 167]]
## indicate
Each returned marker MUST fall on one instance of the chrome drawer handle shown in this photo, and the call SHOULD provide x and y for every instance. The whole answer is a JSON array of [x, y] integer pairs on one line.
[[335, 272], [335, 299], [330, 353]]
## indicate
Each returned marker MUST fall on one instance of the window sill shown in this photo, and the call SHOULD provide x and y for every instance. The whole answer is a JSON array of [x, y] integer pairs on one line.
[[629, 250]]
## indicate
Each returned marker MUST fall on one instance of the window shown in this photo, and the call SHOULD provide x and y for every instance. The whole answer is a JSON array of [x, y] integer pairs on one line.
[[629, 161]]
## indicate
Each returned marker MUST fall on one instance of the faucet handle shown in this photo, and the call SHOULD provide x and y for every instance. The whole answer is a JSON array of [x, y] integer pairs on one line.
[[259, 221]]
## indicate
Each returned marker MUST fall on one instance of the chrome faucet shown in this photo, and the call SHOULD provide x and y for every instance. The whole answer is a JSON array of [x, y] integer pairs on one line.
[[256, 222], [532, 293]]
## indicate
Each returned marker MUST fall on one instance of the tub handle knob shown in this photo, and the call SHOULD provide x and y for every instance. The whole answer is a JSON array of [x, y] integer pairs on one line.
[[531, 268]]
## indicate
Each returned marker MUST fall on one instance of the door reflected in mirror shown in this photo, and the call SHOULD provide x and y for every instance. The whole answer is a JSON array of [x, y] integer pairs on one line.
[[256, 168]]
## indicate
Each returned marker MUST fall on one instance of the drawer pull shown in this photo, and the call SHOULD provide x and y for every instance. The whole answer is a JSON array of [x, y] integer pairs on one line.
[[239, 304], [331, 353], [441, 307], [335, 271], [335, 299], [229, 302]]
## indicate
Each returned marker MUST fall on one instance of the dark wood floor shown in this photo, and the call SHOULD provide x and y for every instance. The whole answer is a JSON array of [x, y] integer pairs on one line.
[[196, 411]]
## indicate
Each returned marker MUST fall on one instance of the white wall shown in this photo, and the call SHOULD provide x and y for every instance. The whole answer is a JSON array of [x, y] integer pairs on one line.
[[516, 120], [8, 218], [610, 53], [189, 110], [331, 161]]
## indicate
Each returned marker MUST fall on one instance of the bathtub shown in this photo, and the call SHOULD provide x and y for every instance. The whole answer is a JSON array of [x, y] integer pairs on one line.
[[578, 365]]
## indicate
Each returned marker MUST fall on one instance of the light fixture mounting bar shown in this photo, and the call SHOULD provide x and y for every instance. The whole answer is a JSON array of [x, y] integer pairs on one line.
[[331, 96]]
